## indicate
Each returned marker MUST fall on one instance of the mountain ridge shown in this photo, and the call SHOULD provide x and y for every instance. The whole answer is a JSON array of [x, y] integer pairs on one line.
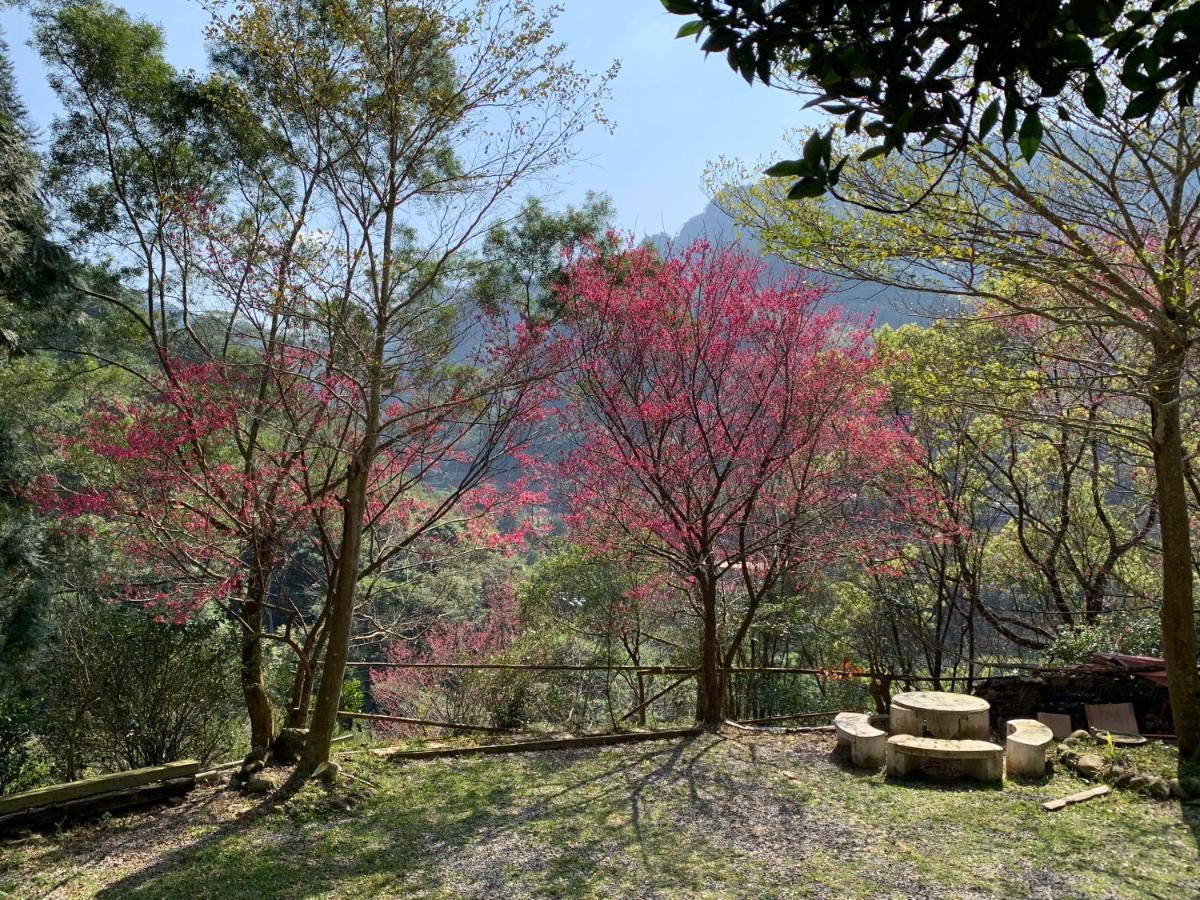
[[887, 305]]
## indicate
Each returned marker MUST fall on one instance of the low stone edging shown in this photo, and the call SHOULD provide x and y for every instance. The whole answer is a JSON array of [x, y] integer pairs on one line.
[[1075, 754]]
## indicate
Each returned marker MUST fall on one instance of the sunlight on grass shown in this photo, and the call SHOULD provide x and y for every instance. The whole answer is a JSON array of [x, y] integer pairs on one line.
[[734, 815]]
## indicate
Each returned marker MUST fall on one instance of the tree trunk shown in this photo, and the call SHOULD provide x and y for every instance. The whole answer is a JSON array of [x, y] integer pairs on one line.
[[641, 699], [710, 706], [339, 622], [254, 688], [881, 694], [302, 687], [307, 667], [1178, 610]]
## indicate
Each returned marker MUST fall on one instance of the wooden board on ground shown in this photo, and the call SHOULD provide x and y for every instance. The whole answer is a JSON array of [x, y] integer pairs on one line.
[[589, 740], [1089, 794], [1115, 717], [1058, 723], [84, 807], [775, 729], [91, 787]]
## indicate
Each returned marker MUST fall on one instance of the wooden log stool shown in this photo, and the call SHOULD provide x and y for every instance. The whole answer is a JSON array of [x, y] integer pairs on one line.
[[866, 743], [1025, 748]]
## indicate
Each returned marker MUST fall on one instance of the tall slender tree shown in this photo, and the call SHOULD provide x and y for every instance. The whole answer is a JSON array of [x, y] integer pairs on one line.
[[415, 122], [148, 167], [34, 306]]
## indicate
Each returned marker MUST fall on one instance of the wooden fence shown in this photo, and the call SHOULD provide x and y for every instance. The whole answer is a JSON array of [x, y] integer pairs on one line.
[[684, 674], [53, 805]]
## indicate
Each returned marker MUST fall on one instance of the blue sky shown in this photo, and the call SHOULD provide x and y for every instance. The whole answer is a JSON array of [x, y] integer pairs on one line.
[[674, 109]]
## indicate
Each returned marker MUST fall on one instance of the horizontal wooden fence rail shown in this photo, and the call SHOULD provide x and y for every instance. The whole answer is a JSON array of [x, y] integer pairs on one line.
[[662, 670], [645, 670], [432, 723], [787, 718]]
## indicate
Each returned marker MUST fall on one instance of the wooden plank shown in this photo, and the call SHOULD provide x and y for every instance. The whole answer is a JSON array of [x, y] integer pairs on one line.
[[522, 667], [102, 784], [788, 718], [660, 670], [1089, 794], [1058, 723], [431, 723], [589, 740], [84, 807], [1118, 718], [764, 729]]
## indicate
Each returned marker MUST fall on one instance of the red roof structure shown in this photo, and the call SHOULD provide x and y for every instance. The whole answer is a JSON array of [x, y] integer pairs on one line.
[[1152, 668]]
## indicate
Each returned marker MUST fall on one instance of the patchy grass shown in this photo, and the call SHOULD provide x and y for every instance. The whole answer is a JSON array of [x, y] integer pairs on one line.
[[1151, 758], [734, 815]]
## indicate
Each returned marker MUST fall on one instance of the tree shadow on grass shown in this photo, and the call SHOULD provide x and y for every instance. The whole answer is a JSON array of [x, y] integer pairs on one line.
[[672, 816], [81, 848], [1190, 812], [171, 864], [633, 786], [839, 757], [1084, 845], [681, 810], [951, 784], [393, 843]]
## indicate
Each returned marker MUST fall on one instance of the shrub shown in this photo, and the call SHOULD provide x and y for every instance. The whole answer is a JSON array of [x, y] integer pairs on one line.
[[22, 763], [125, 691], [456, 695], [354, 696], [1135, 633]]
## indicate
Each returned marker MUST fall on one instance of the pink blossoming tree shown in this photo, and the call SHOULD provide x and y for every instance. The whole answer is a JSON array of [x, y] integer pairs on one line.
[[727, 430]]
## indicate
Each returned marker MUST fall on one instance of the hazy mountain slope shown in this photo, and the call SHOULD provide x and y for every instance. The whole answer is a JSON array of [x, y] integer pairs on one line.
[[888, 305]]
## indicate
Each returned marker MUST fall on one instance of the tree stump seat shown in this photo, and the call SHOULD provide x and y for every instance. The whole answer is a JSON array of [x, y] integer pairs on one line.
[[1025, 748], [981, 760], [866, 743]]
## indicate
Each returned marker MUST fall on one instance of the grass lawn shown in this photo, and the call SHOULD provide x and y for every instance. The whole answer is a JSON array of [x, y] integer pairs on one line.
[[734, 815]]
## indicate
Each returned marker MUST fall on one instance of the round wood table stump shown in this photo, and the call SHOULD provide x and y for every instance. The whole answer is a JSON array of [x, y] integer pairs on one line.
[[941, 715]]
